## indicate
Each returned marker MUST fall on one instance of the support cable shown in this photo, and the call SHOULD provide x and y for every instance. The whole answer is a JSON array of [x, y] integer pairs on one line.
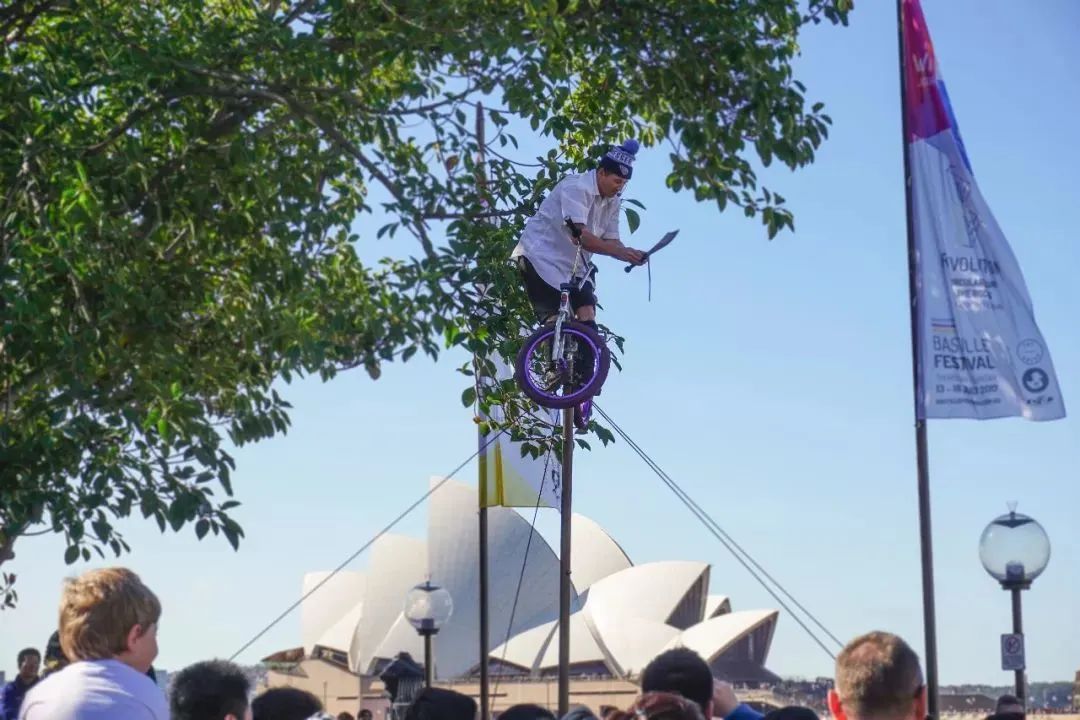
[[369, 543], [736, 550]]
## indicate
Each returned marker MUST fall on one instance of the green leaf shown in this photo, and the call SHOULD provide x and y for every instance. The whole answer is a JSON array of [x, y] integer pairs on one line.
[[232, 533], [71, 555], [468, 396], [178, 513], [201, 528], [632, 219]]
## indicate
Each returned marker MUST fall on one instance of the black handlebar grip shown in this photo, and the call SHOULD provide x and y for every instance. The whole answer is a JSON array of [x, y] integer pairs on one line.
[[575, 231], [631, 266]]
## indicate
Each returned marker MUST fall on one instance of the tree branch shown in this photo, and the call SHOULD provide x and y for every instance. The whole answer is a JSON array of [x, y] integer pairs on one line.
[[474, 216], [308, 114], [26, 17], [133, 117]]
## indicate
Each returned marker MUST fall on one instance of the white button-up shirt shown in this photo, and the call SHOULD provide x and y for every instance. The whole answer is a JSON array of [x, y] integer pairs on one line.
[[546, 241]]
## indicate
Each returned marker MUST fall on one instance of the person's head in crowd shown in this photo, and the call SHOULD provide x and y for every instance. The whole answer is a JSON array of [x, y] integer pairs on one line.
[[1009, 704], [682, 671], [285, 703], [54, 655], [109, 614], [345, 716], [210, 690], [526, 711], [440, 704], [660, 706], [792, 712], [1009, 707], [365, 714], [878, 677], [28, 662], [583, 713]]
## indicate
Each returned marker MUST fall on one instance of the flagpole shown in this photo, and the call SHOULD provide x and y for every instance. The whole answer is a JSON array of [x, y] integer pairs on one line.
[[921, 452], [485, 619], [485, 706], [564, 562]]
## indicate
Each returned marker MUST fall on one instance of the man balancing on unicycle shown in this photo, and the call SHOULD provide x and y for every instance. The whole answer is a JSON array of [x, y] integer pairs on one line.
[[578, 218]]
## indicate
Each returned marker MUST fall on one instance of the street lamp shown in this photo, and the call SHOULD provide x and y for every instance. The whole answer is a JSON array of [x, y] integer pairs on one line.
[[428, 607], [1015, 550]]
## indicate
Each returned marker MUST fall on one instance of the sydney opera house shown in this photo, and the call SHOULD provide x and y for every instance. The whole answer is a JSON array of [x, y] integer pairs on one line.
[[624, 615]]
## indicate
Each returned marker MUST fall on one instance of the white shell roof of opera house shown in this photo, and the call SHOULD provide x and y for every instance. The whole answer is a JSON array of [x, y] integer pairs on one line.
[[624, 614]]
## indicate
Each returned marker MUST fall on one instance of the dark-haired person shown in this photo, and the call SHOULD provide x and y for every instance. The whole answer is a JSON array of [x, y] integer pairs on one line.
[[29, 661], [210, 690], [526, 711], [660, 706], [285, 703], [878, 677], [54, 659], [583, 713], [683, 671], [1009, 707], [441, 704]]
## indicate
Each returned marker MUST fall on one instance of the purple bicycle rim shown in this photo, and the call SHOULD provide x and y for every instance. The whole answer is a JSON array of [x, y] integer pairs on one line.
[[566, 331]]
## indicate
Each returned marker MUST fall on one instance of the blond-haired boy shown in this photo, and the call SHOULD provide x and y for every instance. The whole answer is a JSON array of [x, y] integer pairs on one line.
[[108, 630]]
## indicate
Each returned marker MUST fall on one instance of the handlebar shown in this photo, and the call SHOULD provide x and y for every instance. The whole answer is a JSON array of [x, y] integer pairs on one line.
[[575, 231]]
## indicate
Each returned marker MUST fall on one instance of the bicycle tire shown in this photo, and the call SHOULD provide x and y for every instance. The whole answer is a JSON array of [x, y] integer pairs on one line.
[[532, 356]]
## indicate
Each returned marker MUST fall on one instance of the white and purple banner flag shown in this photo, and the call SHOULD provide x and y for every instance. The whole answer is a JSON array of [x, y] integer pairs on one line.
[[982, 354]]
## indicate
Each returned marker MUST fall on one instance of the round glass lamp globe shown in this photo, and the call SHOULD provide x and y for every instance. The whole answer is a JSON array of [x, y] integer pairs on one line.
[[1014, 549], [428, 607]]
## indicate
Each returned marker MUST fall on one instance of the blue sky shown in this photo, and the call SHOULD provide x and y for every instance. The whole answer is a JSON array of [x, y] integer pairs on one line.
[[771, 379]]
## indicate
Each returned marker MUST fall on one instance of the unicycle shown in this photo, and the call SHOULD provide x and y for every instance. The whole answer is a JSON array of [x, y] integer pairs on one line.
[[564, 363]]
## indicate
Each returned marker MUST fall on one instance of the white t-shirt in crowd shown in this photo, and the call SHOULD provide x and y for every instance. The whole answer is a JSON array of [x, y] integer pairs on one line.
[[95, 690], [546, 241]]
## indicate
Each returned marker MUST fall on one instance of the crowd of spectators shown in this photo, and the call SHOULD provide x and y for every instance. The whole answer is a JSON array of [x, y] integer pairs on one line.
[[99, 666]]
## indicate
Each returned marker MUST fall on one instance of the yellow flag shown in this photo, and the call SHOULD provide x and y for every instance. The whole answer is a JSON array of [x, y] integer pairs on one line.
[[507, 478]]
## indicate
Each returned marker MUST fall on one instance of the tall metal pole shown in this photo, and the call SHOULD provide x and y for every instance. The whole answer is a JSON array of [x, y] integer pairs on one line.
[[485, 620], [564, 562], [429, 663], [921, 453], [1018, 629], [484, 615]]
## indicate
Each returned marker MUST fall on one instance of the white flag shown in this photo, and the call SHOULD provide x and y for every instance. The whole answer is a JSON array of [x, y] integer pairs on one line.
[[983, 355]]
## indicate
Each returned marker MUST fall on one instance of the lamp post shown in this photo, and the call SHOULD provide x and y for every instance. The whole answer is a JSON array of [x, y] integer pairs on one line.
[[427, 608], [1014, 550]]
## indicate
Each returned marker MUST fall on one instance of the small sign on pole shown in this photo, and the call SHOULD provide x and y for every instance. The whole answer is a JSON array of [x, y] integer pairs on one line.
[[1012, 651]]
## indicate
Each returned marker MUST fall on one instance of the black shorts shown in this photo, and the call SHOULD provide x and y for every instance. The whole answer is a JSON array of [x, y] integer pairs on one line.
[[545, 299]]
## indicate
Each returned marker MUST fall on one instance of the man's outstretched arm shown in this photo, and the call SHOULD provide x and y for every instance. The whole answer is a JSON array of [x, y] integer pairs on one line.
[[609, 246]]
